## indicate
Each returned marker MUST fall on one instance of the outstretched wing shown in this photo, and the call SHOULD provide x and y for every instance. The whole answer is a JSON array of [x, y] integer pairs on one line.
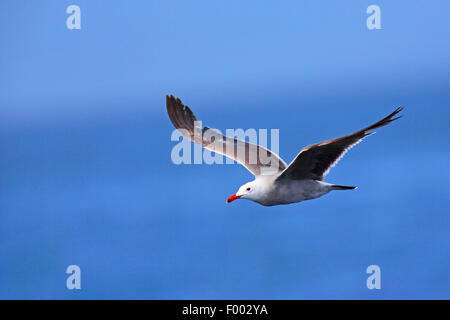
[[314, 161], [257, 159]]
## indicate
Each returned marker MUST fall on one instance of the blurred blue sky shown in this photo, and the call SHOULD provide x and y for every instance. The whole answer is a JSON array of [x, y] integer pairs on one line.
[[87, 177]]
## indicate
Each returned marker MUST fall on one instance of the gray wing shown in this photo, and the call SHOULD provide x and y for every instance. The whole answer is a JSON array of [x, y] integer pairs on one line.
[[256, 159], [314, 161]]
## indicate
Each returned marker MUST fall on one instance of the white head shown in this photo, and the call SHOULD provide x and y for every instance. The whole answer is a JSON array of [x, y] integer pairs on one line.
[[251, 190]]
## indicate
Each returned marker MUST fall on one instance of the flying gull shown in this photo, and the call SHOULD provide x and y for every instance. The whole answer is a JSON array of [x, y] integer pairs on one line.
[[275, 182]]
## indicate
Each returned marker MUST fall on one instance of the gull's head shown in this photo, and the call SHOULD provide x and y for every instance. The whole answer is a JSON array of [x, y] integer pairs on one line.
[[250, 191]]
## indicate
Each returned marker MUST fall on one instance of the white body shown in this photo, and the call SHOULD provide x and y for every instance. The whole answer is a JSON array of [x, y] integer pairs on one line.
[[268, 192]]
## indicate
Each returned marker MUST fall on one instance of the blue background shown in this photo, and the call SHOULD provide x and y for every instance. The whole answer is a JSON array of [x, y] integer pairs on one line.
[[86, 176]]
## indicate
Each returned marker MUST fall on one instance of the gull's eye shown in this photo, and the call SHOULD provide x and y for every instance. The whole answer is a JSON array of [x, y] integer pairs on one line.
[[248, 189]]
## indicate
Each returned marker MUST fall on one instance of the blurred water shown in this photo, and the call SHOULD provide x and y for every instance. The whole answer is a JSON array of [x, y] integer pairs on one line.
[[85, 170], [108, 199]]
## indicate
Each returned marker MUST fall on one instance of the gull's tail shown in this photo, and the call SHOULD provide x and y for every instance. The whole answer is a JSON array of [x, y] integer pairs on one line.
[[338, 187]]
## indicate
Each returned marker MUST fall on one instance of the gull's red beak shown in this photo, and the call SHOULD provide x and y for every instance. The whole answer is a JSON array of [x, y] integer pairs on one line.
[[232, 198]]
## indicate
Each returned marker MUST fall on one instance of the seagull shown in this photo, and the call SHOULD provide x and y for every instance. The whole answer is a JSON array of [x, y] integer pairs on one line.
[[275, 183]]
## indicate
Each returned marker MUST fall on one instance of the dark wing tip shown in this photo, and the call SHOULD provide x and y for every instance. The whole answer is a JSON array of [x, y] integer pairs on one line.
[[181, 116], [384, 121], [391, 116], [171, 102], [175, 103], [396, 111]]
